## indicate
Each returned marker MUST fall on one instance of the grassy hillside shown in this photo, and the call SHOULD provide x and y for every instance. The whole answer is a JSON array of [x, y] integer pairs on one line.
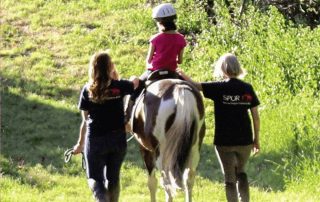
[[44, 53]]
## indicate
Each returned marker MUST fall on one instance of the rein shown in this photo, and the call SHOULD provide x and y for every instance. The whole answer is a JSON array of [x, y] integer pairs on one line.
[[68, 154], [130, 138]]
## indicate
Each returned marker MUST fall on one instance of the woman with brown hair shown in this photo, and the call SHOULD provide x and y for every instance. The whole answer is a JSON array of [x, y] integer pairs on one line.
[[102, 134]]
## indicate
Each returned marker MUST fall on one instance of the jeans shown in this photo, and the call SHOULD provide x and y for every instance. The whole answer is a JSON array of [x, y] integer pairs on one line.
[[104, 156]]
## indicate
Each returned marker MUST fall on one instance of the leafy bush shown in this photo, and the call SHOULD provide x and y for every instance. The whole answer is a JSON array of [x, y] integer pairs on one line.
[[305, 12]]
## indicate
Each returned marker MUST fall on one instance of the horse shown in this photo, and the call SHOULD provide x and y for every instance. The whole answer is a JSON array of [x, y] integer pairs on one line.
[[168, 122]]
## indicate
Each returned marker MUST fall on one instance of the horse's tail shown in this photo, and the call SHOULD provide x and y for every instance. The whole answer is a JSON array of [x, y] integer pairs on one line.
[[180, 137]]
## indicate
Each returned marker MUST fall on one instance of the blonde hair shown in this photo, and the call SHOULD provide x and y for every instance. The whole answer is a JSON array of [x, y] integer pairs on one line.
[[228, 66], [100, 69]]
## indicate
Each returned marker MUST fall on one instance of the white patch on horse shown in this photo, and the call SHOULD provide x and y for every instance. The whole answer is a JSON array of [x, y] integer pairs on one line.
[[164, 112]]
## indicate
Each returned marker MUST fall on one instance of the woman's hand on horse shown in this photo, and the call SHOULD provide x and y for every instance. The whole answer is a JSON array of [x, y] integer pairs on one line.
[[182, 74], [135, 81], [77, 149], [115, 75]]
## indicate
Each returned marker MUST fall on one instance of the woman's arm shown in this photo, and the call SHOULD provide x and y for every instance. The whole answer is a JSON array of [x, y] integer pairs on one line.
[[256, 129], [115, 75], [135, 80], [187, 78], [78, 148]]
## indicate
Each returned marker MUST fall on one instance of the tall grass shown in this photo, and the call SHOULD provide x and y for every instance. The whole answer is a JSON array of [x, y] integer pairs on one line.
[[45, 48]]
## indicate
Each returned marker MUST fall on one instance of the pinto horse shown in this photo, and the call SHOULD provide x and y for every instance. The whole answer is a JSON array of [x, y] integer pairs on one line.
[[168, 122]]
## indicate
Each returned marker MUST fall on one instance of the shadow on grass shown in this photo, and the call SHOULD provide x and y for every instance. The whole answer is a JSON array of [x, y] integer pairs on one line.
[[262, 170], [34, 133]]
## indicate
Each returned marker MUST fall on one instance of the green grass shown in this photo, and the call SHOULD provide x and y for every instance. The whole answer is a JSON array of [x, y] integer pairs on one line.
[[44, 53]]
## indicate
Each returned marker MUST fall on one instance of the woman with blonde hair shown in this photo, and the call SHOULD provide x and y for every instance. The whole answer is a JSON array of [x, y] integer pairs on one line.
[[234, 138], [102, 134]]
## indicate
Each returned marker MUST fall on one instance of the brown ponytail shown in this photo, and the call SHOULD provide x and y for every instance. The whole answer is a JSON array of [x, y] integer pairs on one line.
[[100, 68]]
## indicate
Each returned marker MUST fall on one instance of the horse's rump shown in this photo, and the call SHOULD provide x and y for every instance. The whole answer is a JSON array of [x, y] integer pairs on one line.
[[170, 122]]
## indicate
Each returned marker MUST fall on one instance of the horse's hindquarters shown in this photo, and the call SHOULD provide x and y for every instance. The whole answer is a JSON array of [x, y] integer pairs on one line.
[[170, 121]]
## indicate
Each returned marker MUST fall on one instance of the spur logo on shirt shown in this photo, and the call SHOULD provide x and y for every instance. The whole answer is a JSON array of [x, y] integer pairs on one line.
[[237, 99], [231, 98], [113, 93]]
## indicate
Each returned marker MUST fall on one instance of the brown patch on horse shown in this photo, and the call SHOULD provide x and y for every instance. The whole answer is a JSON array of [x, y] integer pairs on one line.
[[147, 140], [169, 121], [149, 158], [152, 103], [169, 87]]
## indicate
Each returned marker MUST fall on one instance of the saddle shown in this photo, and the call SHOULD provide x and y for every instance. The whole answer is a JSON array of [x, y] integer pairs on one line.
[[161, 74]]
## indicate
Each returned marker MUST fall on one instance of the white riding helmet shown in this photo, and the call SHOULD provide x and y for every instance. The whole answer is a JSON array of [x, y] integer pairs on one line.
[[163, 10]]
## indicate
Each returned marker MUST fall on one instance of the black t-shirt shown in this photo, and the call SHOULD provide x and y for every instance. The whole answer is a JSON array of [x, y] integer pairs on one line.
[[107, 117], [232, 99]]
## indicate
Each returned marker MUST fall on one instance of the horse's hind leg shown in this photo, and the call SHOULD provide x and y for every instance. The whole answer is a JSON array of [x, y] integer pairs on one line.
[[168, 196], [188, 181], [152, 184], [149, 160]]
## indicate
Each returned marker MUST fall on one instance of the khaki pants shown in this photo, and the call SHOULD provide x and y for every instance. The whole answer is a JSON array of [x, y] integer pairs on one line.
[[232, 160]]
